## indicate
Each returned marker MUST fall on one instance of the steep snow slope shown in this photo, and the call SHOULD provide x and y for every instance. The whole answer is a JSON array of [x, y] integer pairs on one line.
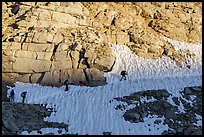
[[87, 110]]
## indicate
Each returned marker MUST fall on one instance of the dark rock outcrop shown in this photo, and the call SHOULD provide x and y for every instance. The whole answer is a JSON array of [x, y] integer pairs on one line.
[[18, 117]]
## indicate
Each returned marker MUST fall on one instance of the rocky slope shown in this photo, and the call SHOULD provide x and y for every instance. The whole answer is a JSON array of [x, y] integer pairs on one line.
[[18, 117], [49, 42], [180, 123]]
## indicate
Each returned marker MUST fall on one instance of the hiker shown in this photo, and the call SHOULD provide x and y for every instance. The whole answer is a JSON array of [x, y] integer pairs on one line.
[[12, 94], [66, 84], [23, 94], [123, 74]]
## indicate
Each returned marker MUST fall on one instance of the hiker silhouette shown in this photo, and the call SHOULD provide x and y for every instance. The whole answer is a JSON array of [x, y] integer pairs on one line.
[[123, 75], [66, 84], [12, 94], [23, 95]]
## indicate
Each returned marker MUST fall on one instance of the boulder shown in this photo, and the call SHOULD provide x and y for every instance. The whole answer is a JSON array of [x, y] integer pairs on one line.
[[123, 21], [23, 78], [64, 75], [36, 77], [51, 79], [102, 57], [76, 75], [95, 77], [188, 91]]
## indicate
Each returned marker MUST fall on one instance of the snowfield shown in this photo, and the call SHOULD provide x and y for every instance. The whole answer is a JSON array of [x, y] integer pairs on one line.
[[87, 110]]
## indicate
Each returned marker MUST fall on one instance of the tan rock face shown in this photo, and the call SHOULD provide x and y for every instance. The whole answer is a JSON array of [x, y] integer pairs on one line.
[[61, 38], [95, 77], [26, 65], [102, 57]]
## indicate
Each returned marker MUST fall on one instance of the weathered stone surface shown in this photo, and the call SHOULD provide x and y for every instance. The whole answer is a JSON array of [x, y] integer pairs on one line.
[[23, 78], [95, 77], [75, 58], [132, 115], [123, 21], [40, 47], [10, 125], [122, 38], [76, 75], [63, 18], [73, 8], [51, 79], [176, 101], [25, 54], [187, 91], [9, 78], [44, 55], [44, 15], [11, 45], [94, 74], [35, 77], [101, 58], [63, 46], [61, 65], [62, 55], [57, 38], [64, 75], [40, 38], [26, 65]]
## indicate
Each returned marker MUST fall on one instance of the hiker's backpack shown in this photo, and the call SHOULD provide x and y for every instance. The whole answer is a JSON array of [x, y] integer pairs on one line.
[[23, 94], [66, 82], [123, 73]]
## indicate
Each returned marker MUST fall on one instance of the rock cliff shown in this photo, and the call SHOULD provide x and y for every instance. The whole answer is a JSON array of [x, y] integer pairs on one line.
[[49, 42]]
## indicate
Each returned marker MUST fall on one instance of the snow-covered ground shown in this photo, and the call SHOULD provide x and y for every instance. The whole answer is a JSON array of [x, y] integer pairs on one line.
[[87, 110]]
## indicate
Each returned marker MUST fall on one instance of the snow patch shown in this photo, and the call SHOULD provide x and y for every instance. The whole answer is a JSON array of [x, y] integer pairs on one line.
[[87, 110]]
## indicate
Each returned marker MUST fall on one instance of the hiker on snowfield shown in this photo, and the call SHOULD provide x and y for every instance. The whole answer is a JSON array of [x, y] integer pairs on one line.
[[123, 74], [66, 84], [12, 94], [23, 95]]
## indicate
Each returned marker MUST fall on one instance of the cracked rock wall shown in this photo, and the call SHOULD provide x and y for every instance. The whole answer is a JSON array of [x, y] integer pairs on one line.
[[48, 42]]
